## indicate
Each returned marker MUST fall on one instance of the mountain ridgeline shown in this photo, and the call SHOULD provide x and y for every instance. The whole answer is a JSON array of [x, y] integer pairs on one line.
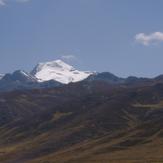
[[57, 73], [44, 75]]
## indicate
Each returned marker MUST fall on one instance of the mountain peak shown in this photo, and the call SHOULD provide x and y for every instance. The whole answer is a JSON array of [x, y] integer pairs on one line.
[[59, 71]]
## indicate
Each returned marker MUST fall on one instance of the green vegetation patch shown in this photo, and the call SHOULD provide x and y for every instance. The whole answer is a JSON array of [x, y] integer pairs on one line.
[[149, 106], [59, 115]]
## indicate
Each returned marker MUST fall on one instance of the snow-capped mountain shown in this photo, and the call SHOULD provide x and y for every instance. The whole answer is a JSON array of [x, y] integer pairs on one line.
[[59, 71], [44, 75]]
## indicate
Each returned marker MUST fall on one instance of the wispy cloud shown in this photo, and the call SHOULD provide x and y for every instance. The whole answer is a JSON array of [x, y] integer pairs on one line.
[[4, 2], [149, 39], [68, 57], [22, 1]]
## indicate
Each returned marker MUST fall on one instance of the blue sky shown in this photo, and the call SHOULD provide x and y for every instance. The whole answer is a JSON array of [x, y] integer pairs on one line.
[[121, 36]]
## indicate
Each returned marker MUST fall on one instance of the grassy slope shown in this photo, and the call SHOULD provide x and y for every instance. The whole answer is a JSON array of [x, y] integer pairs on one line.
[[83, 124]]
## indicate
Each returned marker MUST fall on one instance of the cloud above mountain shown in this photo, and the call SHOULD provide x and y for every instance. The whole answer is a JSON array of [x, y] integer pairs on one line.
[[68, 57], [148, 39]]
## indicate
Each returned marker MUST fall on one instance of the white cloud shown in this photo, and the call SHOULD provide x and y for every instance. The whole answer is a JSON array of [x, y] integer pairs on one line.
[[4, 2], [22, 1], [68, 57], [152, 38]]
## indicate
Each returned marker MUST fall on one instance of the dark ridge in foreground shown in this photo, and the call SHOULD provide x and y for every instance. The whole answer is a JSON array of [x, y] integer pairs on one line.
[[89, 121]]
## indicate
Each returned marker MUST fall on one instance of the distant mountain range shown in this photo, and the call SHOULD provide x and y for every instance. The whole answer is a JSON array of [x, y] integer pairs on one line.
[[57, 73], [44, 75]]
